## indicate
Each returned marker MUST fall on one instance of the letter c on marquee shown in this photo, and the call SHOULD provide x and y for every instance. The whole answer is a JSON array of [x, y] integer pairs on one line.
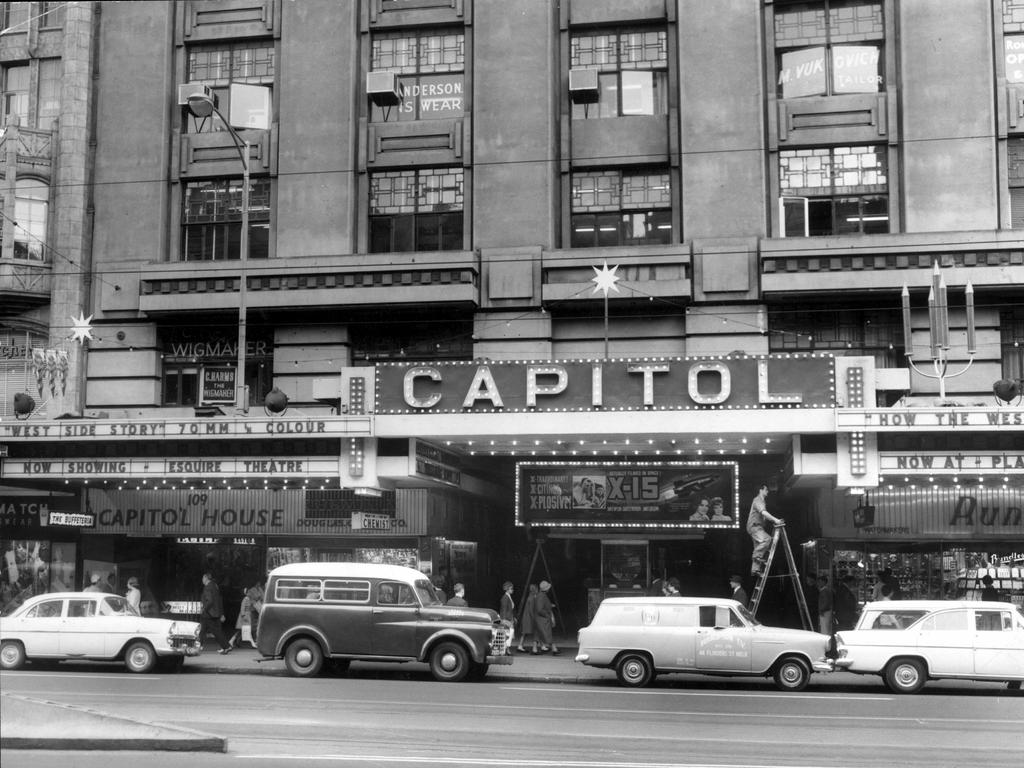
[[409, 387]]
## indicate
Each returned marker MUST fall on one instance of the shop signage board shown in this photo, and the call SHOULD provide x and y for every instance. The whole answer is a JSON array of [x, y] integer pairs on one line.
[[660, 383], [86, 430], [217, 513], [951, 462], [929, 419], [177, 469], [218, 384], [34, 510], [433, 463], [642, 495], [943, 513]]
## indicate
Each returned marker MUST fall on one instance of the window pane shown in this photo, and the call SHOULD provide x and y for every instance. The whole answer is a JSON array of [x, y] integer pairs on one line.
[[802, 73], [50, 71], [856, 69], [875, 214], [30, 212], [608, 229], [427, 233], [819, 217], [451, 231], [637, 93], [583, 231]]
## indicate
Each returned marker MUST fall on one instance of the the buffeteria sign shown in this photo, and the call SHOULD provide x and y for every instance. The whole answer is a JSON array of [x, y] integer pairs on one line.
[[662, 383], [677, 494], [206, 428]]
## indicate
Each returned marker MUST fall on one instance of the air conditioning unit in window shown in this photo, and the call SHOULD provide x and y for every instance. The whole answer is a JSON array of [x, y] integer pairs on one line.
[[188, 90], [583, 86], [383, 88]]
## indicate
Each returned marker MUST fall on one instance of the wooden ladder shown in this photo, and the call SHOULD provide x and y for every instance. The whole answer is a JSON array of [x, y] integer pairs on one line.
[[762, 580]]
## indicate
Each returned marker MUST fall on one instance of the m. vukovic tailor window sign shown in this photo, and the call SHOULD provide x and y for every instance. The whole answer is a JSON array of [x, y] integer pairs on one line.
[[662, 383], [678, 494]]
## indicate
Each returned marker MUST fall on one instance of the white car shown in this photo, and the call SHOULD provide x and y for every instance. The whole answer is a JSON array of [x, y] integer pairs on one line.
[[640, 637], [909, 642], [94, 626]]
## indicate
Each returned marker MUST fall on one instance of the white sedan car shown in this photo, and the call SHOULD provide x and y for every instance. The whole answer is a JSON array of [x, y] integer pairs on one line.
[[909, 642], [94, 626]]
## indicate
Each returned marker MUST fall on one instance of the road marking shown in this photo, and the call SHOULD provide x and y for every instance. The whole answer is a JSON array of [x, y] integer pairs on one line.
[[85, 676], [743, 694]]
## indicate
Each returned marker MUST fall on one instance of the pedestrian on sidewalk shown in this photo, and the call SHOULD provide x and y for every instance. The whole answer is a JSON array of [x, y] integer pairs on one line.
[[544, 620], [255, 595], [527, 626], [507, 611], [134, 594], [738, 593], [459, 599], [825, 602], [212, 617]]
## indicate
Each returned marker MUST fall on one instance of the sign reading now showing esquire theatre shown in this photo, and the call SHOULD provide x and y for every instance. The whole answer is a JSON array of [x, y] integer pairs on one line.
[[661, 383], [607, 494]]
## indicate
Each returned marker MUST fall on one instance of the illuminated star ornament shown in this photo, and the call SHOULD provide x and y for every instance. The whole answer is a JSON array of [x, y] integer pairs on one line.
[[81, 330], [605, 279]]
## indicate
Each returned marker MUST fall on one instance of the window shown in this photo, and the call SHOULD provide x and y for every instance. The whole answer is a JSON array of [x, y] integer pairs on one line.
[[993, 621], [51, 609], [621, 208], [193, 356], [1011, 342], [876, 333], [16, 82], [836, 191], [416, 210], [829, 47], [632, 72], [219, 66], [946, 621], [31, 201], [48, 100], [181, 384], [347, 591], [1015, 167], [81, 609], [14, 17], [52, 14], [212, 219], [430, 67]]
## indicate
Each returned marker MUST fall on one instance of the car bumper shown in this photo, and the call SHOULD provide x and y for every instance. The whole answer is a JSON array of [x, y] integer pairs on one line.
[[184, 647], [503, 659], [823, 665]]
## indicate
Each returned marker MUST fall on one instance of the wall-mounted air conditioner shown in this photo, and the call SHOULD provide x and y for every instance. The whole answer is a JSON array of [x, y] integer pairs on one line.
[[188, 90], [383, 88], [583, 86]]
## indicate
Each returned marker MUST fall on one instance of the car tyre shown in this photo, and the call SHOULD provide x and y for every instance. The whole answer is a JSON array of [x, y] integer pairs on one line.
[[905, 675], [140, 657], [449, 662], [303, 657], [634, 670], [791, 674], [12, 654]]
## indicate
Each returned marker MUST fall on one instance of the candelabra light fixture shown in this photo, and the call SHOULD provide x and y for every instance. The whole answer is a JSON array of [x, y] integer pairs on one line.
[[938, 331]]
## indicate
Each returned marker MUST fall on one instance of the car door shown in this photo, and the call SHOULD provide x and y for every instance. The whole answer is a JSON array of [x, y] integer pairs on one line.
[[39, 629], [81, 634], [998, 644], [670, 631], [395, 620], [346, 620], [946, 639], [723, 640], [117, 624]]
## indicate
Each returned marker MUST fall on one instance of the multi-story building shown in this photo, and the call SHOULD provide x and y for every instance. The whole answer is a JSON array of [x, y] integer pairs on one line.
[[533, 280]]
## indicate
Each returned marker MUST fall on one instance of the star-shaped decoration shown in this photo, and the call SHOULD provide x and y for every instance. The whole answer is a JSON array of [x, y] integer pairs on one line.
[[81, 330], [605, 279]]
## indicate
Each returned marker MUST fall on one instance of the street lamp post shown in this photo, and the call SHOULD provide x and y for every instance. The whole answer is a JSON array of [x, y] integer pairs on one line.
[[202, 106]]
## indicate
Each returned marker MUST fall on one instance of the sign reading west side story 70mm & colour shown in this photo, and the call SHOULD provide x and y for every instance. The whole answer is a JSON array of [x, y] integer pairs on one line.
[[640, 495], [656, 383]]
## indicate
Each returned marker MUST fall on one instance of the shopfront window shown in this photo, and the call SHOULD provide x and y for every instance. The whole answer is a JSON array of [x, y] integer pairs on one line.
[[428, 67], [620, 207], [199, 365], [829, 47], [416, 210], [632, 69], [834, 191]]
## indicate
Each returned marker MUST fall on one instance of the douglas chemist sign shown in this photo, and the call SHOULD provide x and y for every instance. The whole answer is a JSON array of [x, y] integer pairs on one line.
[[682, 494]]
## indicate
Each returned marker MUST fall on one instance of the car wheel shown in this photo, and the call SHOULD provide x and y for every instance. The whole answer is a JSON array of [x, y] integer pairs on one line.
[[634, 670], [905, 676], [12, 654], [449, 662], [303, 657], [791, 674], [140, 657], [337, 666]]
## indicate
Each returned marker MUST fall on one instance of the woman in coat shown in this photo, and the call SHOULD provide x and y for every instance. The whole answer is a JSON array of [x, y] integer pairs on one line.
[[544, 620], [526, 627]]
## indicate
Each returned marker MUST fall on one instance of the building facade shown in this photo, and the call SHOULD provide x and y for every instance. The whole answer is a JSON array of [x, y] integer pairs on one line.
[[536, 284]]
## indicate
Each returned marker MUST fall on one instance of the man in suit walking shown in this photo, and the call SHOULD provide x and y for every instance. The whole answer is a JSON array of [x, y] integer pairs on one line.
[[738, 593], [213, 613]]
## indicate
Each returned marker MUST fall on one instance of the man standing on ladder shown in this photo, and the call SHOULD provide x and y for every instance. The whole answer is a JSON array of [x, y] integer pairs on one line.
[[755, 527]]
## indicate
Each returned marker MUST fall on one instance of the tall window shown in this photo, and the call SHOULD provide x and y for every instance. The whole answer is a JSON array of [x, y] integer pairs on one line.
[[31, 202], [221, 65], [430, 67], [1015, 156], [16, 82], [212, 219], [829, 47], [632, 72], [14, 17], [616, 207], [52, 14], [48, 102], [834, 191], [416, 210], [1011, 342]]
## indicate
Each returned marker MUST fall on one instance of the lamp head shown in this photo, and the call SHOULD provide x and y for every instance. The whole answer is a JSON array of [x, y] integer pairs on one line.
[[23, 405], [1007, 390], [200, 105], [276, 401]]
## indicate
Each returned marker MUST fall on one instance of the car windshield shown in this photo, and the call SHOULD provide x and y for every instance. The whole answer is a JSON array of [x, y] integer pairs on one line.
[[890, 618], [746, 614], [425, 590]]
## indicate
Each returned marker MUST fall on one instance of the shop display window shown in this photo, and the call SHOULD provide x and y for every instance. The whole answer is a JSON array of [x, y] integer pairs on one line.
[[32, 567]]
